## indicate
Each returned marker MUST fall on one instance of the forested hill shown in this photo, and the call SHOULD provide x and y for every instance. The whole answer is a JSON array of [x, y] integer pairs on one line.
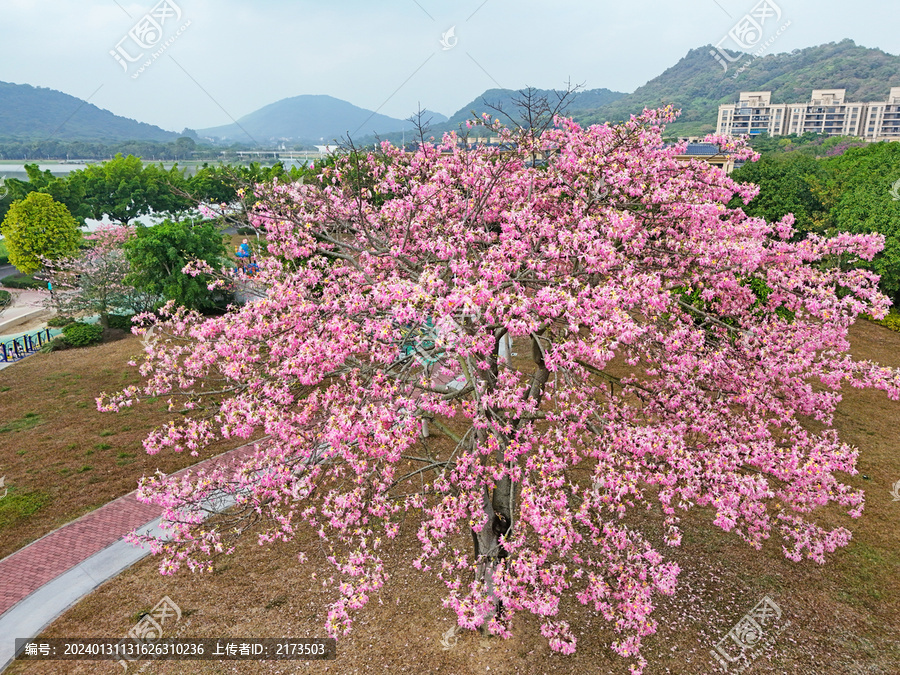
[[697, 83], [585, 102], [582, 100], [36, 113], [308, 118]]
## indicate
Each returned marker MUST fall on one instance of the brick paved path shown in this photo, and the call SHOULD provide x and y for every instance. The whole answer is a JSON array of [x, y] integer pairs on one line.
[[29, 568]]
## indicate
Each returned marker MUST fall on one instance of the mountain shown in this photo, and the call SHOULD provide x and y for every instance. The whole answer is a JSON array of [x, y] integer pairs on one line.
[[589, 101], [697, 84], [435, 117], [308, 118], [36, 113], [582, 100]]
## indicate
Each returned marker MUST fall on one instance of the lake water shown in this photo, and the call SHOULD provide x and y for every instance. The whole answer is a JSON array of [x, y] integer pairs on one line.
[[55, 168]]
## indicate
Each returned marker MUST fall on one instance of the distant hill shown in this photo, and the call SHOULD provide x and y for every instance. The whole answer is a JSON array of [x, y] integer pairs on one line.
[[697, 84], [308, 118], [583, 100], [36, 113], [436, 117], [590, 101]]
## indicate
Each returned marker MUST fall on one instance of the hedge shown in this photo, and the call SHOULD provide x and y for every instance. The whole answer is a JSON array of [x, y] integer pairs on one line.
[[891, 321], [60, 321], [83, 334], [22, 281], [121, 322]]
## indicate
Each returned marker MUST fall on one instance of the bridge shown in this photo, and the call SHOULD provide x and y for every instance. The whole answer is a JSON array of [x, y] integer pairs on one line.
[[293, 155]]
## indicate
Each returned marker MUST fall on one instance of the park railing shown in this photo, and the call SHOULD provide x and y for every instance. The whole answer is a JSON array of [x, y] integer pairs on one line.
[[22, 346]]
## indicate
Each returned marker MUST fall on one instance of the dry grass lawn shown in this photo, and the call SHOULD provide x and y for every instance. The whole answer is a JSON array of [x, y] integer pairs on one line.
[[61, 457]]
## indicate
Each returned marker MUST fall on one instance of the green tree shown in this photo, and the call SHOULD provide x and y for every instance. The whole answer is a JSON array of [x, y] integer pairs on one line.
[[158, 255], [12, 190], [124, 189], [60, 188], [185, 145], [234, 186], [171, 196], [214, 184], [785, 187], [43, 181], [38, 228], [860, 191]]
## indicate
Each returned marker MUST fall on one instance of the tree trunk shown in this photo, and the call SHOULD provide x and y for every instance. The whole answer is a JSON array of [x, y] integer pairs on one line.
[[489, 553], [499, 505], [487, 549], [505, 348]]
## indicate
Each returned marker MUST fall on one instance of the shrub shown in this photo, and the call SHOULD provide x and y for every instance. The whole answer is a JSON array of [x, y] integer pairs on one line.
[[120, 322], [83, 334], [60, 321], [22, 281], [891, 321], [57, 343], [5, 297]]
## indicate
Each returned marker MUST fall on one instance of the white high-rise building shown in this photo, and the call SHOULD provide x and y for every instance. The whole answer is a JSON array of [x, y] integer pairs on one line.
[[827, 112]]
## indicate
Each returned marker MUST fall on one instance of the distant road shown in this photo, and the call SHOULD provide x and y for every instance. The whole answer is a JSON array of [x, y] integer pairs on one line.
[[6, 270]]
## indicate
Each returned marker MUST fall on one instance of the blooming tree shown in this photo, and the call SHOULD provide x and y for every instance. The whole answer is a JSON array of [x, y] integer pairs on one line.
[[666, 352], [94, 280]]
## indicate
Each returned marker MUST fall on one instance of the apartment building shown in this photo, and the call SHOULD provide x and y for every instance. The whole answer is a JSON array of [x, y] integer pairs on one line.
[[883, 119], [754, 114], [828, 112]]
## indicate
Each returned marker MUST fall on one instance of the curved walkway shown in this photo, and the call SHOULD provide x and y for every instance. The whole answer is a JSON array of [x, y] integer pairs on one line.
[[42, 580], [25, 305]]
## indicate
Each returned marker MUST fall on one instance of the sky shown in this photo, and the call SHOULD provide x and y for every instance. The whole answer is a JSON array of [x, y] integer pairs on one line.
[[210, 62]]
